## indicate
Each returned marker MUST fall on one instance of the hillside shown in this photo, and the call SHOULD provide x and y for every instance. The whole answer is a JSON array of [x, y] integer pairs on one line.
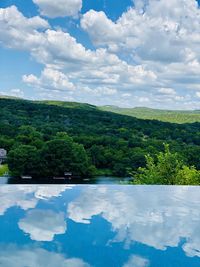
[[173, 116], [102, 142], [67, 104]]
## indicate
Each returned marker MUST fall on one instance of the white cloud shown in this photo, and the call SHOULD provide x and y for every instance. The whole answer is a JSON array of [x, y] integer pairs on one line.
[[162, 20], [43, 225], [159, 220], [198, 94], [59, 8], [16, 92], [69, 64], [167, 91], [36, 257], [86, 68], [127, 58], [50, 79], [136, 261], [161, 35], [17, 31], [97, 22]]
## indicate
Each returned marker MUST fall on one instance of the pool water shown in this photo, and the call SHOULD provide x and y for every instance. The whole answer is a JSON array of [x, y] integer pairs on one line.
[[99, 226]]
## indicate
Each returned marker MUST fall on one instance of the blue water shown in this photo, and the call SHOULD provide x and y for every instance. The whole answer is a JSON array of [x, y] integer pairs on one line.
[[99, 226]]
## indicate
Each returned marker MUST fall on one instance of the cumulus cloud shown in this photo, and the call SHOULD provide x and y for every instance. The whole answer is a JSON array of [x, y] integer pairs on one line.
[[18, 31], [69, 64], [167, 91], [50, 79], [43, 225], [159, 220], [97, 22], [162, 35], [59, 8], [99, 70], [151, 50], [36, 257]]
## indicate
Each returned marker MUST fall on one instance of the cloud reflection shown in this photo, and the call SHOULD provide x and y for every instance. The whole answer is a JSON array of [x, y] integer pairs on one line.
[[36, 257], [159, 217], [27, 196], [136, 261], [43, 225]]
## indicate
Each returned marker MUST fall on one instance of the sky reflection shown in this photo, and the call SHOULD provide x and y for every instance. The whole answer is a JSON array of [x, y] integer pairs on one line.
[[121, 226]]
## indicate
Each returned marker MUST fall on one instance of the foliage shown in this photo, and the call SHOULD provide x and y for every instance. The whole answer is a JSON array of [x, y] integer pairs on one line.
[[168, 168], [24, 160], [173, 116], [3, 169], [53, 159], [63, 155], [43, 138]]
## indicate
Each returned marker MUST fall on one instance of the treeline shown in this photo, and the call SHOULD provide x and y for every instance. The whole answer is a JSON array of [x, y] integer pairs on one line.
[[173, 116], [47, 140]]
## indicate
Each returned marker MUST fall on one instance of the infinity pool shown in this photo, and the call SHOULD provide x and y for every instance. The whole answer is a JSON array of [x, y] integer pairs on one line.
[[99, 226]]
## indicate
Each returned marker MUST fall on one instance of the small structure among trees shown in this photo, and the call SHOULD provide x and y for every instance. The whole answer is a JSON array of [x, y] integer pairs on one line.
[[3, 155]]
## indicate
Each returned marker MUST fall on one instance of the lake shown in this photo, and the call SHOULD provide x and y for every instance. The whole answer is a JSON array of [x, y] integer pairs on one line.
[[99, 226], [94, 180]]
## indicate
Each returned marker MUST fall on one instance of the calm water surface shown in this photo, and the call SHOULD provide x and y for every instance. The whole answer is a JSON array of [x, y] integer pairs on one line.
[[99, 226], [95, 180]]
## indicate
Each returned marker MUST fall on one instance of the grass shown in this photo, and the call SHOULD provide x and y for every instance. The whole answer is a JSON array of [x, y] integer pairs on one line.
[[3, 169]]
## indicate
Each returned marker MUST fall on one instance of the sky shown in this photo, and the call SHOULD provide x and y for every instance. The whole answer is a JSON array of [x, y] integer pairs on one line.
[[105, 52]]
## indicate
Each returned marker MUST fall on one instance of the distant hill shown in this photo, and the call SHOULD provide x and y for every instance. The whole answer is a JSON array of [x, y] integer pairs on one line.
[[68, 104], [112, 144], [8, 97], [173, 116]]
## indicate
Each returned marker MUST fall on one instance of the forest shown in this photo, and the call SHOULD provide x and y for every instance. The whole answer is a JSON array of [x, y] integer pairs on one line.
[[46, 139], [173, 116]]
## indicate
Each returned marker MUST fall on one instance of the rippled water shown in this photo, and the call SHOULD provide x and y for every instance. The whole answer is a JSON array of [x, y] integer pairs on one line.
[[104, 225]]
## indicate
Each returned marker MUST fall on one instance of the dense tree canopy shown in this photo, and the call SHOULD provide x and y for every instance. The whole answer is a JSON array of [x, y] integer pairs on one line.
[[51, 138]]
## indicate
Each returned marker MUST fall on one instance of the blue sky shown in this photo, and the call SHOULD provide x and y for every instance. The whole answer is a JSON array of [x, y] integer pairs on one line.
[[126, 53]]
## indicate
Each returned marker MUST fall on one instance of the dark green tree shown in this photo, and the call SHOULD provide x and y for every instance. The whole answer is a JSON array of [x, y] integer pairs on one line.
[[24, 160], [63, 155]]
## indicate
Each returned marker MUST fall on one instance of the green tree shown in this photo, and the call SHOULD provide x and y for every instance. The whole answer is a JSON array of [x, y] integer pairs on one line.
[[28, 135], [24, 160], [63, 155], [168, 169]]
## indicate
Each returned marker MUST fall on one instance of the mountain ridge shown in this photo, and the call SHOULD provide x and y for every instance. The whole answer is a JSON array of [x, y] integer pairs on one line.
[[147, 113]]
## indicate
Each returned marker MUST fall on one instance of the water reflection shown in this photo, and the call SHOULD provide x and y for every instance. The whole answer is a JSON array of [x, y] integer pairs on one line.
[[35, 257], [95, 180], [100, 226], [42, 225], [155, 216]]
